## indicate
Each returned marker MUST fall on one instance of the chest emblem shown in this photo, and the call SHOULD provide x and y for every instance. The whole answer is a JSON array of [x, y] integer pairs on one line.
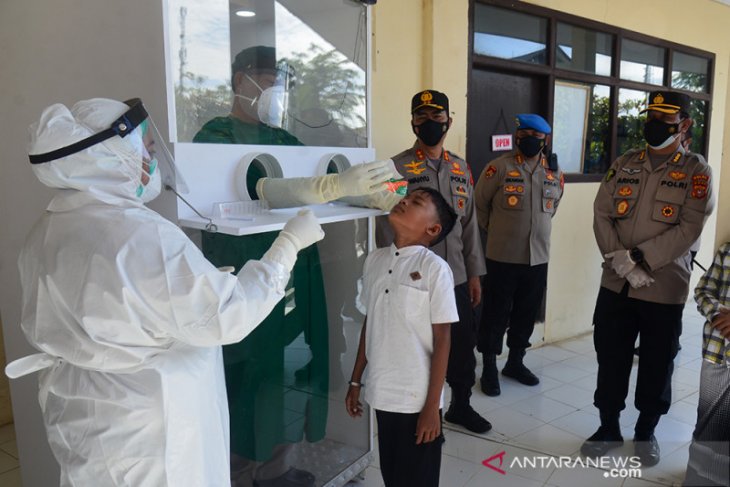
[[667, 211], [456, 169], [512, 188], [625, 191], [549, 176], [622, 207], [415, 276], [490, 171], [513, 174], [414, 167], [630, 170], [549, 204], [461, 189], [460, 203], [513, 200], [677, 176]]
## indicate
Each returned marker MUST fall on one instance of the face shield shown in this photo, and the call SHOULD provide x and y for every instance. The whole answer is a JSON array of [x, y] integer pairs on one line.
[[264, 94], [134, 140]]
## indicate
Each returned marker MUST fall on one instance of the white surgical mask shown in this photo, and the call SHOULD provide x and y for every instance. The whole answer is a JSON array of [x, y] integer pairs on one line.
[[271, 104], [153, 188]]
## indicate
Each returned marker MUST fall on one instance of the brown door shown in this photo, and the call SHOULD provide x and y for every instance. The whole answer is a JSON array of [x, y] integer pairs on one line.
[[492, 93]]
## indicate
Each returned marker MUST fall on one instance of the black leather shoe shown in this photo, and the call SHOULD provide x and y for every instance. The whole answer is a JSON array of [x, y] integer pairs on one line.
[[601, 442], [468, 418], [490, 380], [647, 451], [520, 373]]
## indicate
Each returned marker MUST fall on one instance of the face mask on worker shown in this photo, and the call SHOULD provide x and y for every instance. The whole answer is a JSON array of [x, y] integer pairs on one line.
[[530, 146], [660, 135], [430, 132], [270, 104], [152, 189]]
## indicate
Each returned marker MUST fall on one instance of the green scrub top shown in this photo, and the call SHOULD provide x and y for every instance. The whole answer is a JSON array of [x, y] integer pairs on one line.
[[277, 378]]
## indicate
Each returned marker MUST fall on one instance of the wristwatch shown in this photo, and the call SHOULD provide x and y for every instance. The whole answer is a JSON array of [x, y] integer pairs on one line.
[[636, 255]]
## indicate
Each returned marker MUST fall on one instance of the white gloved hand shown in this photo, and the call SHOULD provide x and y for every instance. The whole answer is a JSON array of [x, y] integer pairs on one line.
[[299, 232], [383, 200], [638, 277], [366, 178], [621, 262]]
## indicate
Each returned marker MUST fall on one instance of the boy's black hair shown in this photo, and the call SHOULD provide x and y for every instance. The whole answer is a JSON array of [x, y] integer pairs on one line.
[[446, 215]]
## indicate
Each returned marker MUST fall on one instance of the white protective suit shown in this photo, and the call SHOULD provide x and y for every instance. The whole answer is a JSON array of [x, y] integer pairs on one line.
[[130, 316]]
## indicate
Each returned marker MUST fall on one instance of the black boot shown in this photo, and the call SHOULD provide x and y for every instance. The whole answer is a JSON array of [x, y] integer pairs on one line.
[[646, 446], [460, 411], [515, 369], [490, 375], [606, 438]]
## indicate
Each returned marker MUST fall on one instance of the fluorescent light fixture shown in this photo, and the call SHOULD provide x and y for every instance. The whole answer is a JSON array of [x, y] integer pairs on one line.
[[245, 13]]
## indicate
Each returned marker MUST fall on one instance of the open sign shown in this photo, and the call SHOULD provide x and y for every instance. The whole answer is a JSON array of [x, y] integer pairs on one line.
[[501, 142]]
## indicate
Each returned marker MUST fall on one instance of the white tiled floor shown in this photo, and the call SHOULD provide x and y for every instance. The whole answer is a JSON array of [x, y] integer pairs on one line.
[[547, 420], [555, 417]]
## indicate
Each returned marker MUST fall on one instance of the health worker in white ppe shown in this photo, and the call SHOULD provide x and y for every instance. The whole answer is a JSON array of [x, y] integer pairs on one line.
[[127, 312]]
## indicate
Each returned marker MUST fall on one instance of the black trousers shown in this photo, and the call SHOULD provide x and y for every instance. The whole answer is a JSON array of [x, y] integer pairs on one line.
[[460, 373], [618, 319], [402, 462], [512, 296]]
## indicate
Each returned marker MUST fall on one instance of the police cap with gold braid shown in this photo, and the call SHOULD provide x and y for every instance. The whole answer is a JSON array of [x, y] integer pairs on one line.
[[668, 102], [430, 98]]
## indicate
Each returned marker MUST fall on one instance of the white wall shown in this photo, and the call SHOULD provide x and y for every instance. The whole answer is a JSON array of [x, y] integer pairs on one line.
[[59, 51]]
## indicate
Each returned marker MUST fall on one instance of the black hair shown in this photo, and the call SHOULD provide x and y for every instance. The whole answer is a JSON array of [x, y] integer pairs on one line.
[[446, 215]]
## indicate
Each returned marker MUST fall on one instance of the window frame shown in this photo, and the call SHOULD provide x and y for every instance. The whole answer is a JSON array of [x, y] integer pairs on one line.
[[614, 82]]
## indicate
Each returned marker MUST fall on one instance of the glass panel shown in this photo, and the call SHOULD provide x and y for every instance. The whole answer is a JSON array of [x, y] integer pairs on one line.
[[300, 71], [696, 135], [584, 50], [642, 62], [630, 122], [690, 72], [510, 35], [581, 127]]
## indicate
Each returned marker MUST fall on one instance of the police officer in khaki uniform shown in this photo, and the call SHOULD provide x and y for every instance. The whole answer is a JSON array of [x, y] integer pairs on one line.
[[516, 198], [650, 208], [427, 164]]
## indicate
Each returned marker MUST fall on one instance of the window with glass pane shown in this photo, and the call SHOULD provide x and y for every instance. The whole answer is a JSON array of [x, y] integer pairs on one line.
[[696, 133], [689, 72], [630, 121], [269, 72], [583, 50], [510, 35], [581, 127], [642, 62]]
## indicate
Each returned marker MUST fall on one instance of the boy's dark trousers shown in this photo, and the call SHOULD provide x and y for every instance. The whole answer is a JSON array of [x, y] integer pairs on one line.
[[402, 462]]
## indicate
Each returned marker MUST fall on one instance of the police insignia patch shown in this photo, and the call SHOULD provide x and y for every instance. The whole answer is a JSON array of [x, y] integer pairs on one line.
[[667, 211], [677, 176], [460, 203], [456, 169], [610, 174], [549, 176], [513, 200], [700, 183], [490, 171], [549, 204], [622, 207], [414, 167], [513, 174], [629, 170], [625, 191]]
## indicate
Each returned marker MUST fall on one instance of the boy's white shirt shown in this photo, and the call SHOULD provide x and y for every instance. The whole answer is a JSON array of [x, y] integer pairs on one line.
[[405, 291]]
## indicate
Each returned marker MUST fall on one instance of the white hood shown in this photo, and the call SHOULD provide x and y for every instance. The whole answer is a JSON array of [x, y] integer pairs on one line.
[[109, 171]]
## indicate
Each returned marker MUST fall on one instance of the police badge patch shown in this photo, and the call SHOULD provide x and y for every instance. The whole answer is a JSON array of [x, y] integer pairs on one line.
[[610, 174]]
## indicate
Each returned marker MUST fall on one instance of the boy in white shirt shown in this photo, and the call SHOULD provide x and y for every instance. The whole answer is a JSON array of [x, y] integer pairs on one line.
[[405, 340]]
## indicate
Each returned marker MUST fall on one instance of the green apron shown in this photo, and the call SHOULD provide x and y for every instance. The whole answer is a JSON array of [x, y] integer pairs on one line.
[[277, 378]]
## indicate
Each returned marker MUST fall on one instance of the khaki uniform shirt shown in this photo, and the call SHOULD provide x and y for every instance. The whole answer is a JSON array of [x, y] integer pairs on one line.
[[661, 211], [515, 206], [451, 176]]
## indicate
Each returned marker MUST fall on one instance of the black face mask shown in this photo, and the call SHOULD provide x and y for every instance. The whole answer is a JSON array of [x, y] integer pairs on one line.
[[430, 131], [530, 145], [657, 132]]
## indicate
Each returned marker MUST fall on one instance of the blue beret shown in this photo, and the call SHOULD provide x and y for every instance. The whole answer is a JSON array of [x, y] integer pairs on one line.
[[532, 121]]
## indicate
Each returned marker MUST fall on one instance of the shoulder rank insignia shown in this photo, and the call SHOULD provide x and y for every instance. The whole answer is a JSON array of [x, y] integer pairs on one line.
[[622, 207], [642, 155], [677, 176], [677, 157], [414, 167], [513, 174], [625, 191], [609, 175], [490, 171]]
